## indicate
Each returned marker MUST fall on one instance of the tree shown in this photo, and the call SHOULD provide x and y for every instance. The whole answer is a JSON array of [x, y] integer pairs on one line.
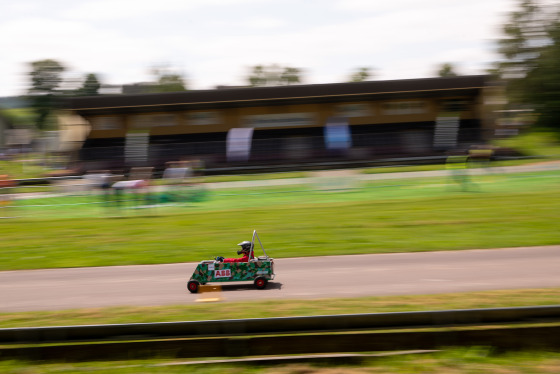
[[273, 75], [90, 87], [171, 83], [290, 76], [524, 36], [258, 77], [543, 83], [46, 76], [530, 65], [447, 70], [167, 80], [361, 75]]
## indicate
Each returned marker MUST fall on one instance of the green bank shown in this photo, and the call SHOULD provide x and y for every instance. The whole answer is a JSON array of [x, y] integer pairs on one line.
[[429, 214], [281, 308]]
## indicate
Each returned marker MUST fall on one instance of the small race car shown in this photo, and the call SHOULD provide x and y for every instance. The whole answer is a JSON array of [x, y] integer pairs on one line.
[[258, 270]]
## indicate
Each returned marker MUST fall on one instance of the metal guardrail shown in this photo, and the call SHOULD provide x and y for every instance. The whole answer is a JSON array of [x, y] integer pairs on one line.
[[282, 325], [500, 339]]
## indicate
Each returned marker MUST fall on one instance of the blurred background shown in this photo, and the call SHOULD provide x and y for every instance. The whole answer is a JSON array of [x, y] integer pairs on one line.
[[332, 128], [273, 119]]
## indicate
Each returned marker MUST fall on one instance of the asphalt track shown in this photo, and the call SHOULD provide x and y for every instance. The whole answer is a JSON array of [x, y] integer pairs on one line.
[[296, 278]]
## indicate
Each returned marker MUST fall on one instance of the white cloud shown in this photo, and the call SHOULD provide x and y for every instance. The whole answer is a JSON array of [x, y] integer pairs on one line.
[[216, 41], [126, 9]]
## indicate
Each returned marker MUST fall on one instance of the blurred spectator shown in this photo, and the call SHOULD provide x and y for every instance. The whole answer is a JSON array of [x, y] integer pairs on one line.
[[7, 185], [129, 191], [480, 155], [177, 172], [456, 163], [198, 167], [97, 179]]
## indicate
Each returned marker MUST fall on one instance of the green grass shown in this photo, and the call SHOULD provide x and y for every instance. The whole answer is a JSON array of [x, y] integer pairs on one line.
[[282, 308], [24, 167], [385, 216], [535, 143], [456, 361], [254, 177], [433, 167]]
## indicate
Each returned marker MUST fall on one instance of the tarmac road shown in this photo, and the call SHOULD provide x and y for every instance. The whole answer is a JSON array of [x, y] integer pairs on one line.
[[296, 278]]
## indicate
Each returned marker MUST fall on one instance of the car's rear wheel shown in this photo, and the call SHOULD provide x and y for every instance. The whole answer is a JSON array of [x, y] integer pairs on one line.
[[260, 283], [193, 286]]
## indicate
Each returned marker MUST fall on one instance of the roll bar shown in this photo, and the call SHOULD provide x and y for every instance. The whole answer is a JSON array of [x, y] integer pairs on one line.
[[255, 235]]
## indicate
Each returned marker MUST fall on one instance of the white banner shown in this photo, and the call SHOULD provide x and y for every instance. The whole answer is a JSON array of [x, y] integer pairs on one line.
[[239, 144]]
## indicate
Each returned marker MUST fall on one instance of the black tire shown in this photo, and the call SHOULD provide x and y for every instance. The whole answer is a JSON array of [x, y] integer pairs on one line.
[[260, 283], [193, 286]]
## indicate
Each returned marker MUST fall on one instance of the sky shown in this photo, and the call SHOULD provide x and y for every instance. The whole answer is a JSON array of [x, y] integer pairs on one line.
[[216, 42]]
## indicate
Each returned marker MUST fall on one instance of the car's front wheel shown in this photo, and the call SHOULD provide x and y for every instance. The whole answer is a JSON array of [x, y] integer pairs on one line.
[[193, 286]]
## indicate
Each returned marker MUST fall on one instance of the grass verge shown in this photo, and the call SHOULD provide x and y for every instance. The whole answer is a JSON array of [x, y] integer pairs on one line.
[[396, 216], [457, 361], [283, 308]]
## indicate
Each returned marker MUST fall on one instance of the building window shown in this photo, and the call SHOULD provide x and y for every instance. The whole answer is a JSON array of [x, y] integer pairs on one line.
[[353, 110], [146, 121], [454, 105], [279, 120], [202, 118], [404, 107], [107, 123]]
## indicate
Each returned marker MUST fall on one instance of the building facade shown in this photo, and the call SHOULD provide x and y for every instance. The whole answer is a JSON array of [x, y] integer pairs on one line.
[[287, 124]]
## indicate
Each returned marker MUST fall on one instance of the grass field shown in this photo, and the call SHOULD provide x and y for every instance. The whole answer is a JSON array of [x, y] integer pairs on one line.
[[282, 308], [454, 361], [428, 214]]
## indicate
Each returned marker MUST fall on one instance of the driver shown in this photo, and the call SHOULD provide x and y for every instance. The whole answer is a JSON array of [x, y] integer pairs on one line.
[[245, 251]]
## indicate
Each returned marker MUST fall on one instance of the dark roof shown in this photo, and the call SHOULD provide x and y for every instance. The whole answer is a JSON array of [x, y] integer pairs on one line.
[[273, 95]]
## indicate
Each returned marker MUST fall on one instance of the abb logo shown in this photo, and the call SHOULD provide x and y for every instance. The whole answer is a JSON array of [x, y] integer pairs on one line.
[[222, 273]]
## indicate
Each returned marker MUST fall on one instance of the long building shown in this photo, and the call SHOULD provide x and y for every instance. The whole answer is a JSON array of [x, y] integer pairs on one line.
[[286, 124]]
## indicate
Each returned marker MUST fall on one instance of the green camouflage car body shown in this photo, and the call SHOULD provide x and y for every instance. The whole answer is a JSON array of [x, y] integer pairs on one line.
[[212, 271], [259, 271]]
